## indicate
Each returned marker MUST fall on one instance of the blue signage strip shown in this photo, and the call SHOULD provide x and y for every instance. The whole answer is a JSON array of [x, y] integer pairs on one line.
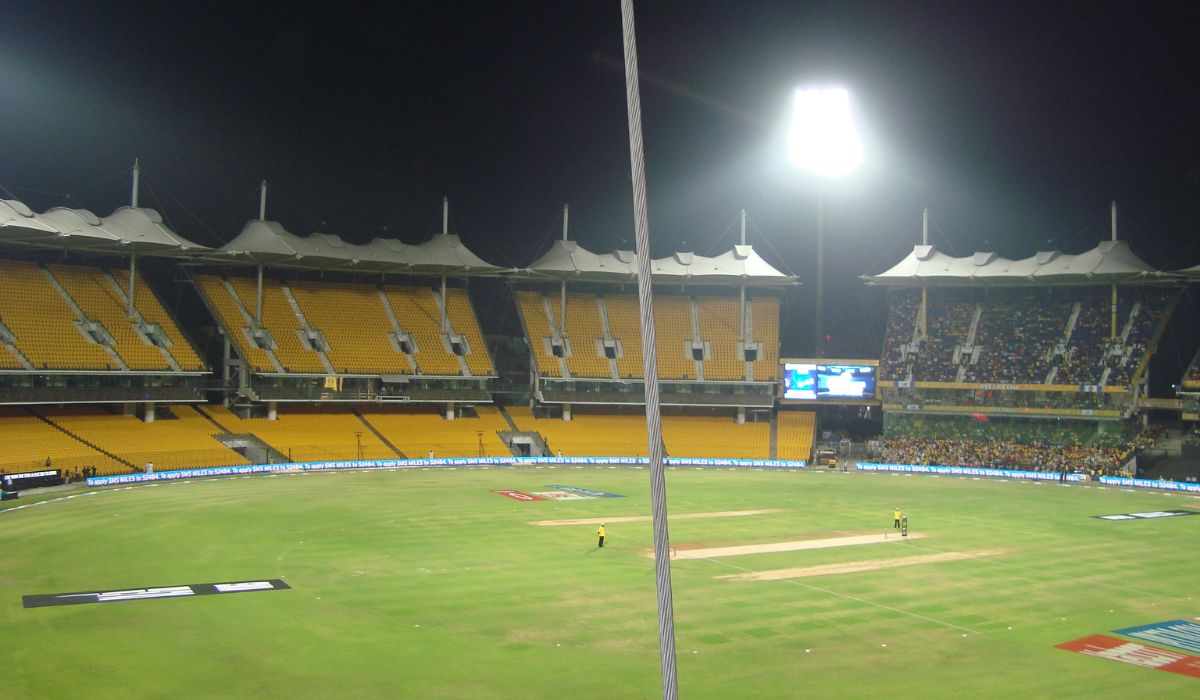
[[1181, 634], [175, 475], [1150, 484], [968, 471]]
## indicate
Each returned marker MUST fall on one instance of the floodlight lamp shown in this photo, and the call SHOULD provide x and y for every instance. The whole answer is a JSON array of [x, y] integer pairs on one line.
[[822, 138]]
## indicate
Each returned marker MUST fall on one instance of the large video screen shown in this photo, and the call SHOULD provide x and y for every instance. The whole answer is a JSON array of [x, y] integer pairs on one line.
[[813, 382]]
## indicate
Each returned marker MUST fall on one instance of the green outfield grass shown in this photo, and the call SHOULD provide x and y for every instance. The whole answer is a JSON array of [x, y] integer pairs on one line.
[[426, 584]]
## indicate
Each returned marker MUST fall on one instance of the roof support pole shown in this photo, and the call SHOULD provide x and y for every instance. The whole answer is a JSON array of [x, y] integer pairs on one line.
[[658, 488], [924, 290], [258, 298], [563, 313], [262, 201], [1113, 223], [137, 174], [445, 215], [442, 309], [132, 283], [742, 310], [819, 320], [1113, 335]]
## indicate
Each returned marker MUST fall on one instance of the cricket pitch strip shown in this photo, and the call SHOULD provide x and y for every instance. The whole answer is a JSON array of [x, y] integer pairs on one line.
[[770, 547], [853, 567]]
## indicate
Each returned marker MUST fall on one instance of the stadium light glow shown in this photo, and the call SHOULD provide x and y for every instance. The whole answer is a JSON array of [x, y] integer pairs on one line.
[[822, 138]]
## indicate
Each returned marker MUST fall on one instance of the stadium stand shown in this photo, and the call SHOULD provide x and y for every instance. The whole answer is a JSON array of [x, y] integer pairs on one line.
[[588, 434], [179, 442], [1064, 334], [673, 330], [417, 431], [98, 302], [538, 332], [150, 307], [624, 323], [583, 329], [596, 432], [796, 430], [354, 323], [352, 327], [719, 326], [305, 434], [43, 323], [30, 443], [765, 314]]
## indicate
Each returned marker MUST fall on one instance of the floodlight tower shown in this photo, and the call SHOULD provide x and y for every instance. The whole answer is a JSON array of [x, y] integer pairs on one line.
[[823, 141]]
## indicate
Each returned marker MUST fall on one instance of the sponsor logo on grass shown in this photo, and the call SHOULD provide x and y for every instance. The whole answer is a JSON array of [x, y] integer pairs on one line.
[[182, 591], [561, 496], [1149, 515], [1105, 647], [588, 493], [518, 495], [1181, 634]]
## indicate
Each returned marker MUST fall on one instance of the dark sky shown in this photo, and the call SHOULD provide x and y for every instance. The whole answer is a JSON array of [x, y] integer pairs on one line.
[[1015, 123]]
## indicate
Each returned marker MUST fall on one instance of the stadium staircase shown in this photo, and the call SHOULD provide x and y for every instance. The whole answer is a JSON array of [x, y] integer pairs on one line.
[[375, 431], [77, 438]]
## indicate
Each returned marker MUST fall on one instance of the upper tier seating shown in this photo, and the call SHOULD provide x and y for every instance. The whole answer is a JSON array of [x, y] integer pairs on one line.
[[1056, 335], [44, 322], [678, 322], [353, 319]]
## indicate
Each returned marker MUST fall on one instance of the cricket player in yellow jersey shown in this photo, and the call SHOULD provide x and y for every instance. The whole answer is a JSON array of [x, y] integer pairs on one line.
[[600, 534], [896, 518]]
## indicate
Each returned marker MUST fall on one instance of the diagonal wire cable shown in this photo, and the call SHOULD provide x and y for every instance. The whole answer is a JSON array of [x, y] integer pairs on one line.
[[658, 490]]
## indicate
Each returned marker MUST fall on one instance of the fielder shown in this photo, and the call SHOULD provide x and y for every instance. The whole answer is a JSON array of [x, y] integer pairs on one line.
[[600, 534]]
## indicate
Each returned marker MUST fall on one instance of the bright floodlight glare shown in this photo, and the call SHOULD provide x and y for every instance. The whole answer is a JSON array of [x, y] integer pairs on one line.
[[822, 138]]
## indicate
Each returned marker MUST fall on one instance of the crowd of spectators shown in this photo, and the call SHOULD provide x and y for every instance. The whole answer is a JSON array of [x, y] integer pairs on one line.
[[1003, 454], [1022, 334]]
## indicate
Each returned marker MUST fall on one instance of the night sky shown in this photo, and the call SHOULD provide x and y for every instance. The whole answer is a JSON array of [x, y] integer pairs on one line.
[[1015, 124]]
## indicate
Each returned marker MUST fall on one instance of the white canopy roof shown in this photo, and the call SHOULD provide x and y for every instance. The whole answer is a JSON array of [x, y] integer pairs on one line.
[[269, 243], [1110, 262], [126, 230], [567, 260]]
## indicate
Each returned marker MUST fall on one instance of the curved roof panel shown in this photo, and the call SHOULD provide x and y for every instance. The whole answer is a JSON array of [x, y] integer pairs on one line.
[[567, 260], [1110, 262]]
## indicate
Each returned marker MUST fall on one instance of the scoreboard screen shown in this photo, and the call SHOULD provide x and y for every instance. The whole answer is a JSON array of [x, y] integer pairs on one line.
[[813, 382]]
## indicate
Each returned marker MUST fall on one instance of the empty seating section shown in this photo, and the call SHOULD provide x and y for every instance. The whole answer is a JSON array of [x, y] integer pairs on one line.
[[28, 442], [583, 329], [182, 442], [672, 332], [715, 436], [281, 321], [765, 314], [796, 430], [233, 321], [354, 322], [625, 325], [720, 326], [588, 434], [420, 316], [151, 309], [95, 296], [417, 431], [43, 322], [465, 323], [313, 436], [537, 331]]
